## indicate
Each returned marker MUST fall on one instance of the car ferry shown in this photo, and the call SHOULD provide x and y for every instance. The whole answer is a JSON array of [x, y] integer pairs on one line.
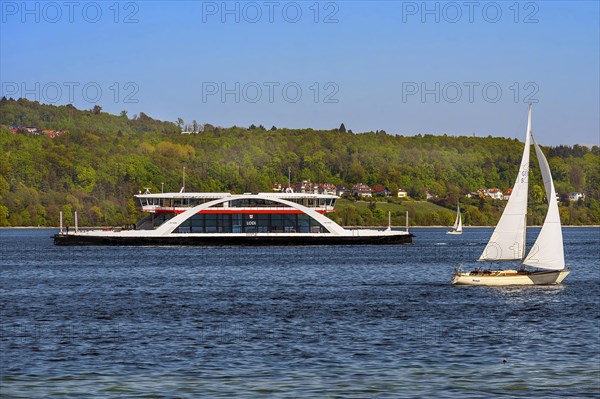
[[234, 219]]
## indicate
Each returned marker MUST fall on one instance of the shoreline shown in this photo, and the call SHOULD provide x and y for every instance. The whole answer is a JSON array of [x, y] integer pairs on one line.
[[346, 227]]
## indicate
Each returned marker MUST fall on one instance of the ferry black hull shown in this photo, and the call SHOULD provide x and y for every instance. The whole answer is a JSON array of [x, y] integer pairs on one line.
[[77, 240]]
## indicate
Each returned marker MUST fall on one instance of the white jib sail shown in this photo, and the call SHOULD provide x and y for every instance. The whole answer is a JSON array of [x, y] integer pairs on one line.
[[459, 225], [547, 252], [508, 239]]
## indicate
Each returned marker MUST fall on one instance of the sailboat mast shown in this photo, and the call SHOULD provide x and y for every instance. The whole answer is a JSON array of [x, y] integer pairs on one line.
[[529, 137]]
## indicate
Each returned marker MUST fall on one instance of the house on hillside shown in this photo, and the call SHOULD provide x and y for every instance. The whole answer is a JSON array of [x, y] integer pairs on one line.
[[49, 133], [342, 190], [327, 188], [402, 193], [282, 188], [380, 191], [306, 187], [506, 194], [428, 195], [493, 193], [576, 196], [362, 190]]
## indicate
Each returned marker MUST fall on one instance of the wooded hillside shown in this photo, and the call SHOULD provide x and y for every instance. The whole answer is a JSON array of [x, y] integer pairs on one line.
[[104, 159]]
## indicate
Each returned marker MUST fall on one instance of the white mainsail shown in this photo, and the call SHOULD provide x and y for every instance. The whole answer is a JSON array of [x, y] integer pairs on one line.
[[508, 239], [458, 222], [547, 252]]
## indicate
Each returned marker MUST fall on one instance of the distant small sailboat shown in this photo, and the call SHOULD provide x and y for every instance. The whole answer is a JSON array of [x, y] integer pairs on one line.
[[508, 239], [457, 228]]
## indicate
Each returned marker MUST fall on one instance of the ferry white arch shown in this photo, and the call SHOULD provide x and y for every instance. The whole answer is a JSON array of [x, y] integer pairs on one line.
[[172, 224]]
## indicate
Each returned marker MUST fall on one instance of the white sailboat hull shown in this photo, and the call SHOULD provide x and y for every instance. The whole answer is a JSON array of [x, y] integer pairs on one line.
[[453, 232], [498, 278]]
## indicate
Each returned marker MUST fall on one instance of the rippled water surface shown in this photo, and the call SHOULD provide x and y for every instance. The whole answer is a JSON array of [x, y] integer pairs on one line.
[[364, 321]]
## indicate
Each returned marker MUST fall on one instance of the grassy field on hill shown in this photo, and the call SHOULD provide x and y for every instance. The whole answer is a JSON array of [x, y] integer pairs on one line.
[[375, 213]]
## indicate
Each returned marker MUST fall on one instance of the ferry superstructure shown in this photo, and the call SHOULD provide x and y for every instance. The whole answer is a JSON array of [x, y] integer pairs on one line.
[[234, 219]]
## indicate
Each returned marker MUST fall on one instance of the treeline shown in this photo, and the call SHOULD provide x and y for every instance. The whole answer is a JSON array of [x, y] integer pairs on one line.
[[23, 112], [105, 159]]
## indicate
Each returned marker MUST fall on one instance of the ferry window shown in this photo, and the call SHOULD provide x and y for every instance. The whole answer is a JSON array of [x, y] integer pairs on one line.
[[184, 227], [289, 223], [276, 222], [316, 227], [236, 221], [225, 223], [303, 223], [262, 222], [210, 223]]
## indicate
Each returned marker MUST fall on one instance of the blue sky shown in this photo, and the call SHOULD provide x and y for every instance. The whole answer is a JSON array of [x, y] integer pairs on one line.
[[456, 68]]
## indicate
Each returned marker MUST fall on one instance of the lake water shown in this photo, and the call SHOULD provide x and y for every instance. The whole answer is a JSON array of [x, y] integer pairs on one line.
[[289, 322]]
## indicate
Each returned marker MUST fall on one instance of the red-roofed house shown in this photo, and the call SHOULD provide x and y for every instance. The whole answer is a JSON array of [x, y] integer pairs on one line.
[[327, 188], [380, 191]]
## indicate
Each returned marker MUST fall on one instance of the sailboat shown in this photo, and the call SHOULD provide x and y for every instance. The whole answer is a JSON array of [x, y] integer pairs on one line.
[[457, 228], [508, 240]]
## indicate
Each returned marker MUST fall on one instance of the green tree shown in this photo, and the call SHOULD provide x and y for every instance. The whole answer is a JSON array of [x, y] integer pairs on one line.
[[4, 216], [537, 194]]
